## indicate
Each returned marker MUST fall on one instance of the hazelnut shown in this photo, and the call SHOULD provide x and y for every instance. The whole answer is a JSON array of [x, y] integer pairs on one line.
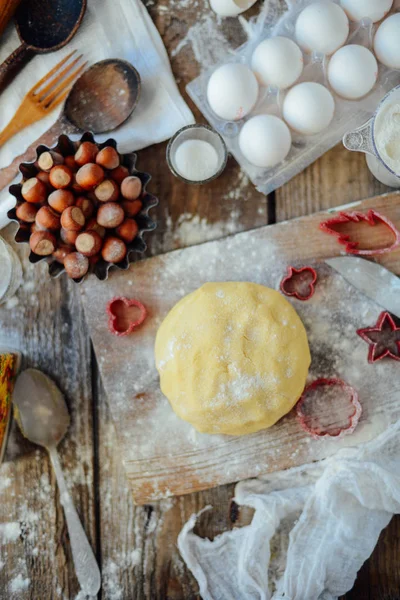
[[131, 187], [93, 225], [44, 177], [76, 265], [60, 176], [61, 252], [42, 243], [33, 190], [86, 153], [47, 218], [72, 218], [107, 191], [114, 250], [36, 227], [26, 212], [85, 205], [59, 200], [70, 162], [110, 215], [75, 187], [128, 230], [89, 176], [88, 243], [108, 158], [119, 174], [68, 236], [132, 207], [48, 160]]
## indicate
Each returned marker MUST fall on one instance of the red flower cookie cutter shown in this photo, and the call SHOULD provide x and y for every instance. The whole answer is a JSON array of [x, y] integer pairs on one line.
[[119, 322], [372, 218], [383, 338], [317, 431], [299, 283]]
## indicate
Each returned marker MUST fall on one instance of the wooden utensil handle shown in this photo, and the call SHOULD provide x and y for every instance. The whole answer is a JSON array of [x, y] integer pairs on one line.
[[48, 138], [7, 10], [10, 67]]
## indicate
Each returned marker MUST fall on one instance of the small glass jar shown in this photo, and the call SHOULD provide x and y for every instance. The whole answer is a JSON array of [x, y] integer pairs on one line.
[[10, 271], [197, 173]]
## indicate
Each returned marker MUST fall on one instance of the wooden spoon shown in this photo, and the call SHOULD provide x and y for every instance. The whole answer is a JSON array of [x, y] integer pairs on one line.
[[101, 99], [42, 26]]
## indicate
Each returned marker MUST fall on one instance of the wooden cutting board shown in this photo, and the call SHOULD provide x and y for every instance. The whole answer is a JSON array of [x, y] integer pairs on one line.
[[164, 455]]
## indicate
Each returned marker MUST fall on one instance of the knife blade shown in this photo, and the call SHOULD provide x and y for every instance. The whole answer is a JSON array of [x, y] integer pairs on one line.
[[371, 279]]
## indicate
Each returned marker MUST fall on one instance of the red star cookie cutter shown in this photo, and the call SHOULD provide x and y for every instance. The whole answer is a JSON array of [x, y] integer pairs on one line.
[[299, 283], [372, 218], [310, 422], [383, 338], [120, 321]]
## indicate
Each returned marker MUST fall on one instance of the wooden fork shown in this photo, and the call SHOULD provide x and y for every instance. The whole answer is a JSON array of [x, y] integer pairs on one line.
[[48, 93]]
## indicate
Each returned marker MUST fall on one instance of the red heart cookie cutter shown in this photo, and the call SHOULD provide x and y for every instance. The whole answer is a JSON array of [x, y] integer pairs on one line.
[[299, 283], [372, 218], [119, 322], [317, 431]]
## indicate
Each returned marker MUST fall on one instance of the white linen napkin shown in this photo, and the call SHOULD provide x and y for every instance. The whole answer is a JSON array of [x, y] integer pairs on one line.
[[313, 528], [110, 29]]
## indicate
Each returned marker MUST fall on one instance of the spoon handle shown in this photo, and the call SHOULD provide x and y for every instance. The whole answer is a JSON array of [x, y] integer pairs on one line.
[[87, 570], [48, 138], [13, 64]]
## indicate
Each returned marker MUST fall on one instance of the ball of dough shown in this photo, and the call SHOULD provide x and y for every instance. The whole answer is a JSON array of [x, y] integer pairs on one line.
[[233, 357]]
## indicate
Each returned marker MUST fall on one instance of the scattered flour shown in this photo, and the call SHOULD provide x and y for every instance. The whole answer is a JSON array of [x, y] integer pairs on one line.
[[19, 584], [192, 229], [208, 44], [9, 532]]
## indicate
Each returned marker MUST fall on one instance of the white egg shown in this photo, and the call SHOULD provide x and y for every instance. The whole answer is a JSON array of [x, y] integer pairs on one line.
[[375, 10], [308, 108], [352, 71], [278, 62], [232, 91], [322, 27], [230, 8], [265, 140], [387, 42]]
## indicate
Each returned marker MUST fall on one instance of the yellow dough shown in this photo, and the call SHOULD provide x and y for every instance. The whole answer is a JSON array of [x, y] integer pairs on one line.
[[233, 357]]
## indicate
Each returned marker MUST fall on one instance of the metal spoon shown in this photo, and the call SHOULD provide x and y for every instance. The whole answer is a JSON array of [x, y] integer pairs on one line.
[[103, 97], [42, 414]]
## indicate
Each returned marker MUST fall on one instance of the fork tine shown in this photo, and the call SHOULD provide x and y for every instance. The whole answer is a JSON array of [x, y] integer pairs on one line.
[[61, 86], [41, 95], [59, 99], [50, 73]]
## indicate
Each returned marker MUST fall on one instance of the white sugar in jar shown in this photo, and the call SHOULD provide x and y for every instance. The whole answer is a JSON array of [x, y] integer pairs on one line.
[[196, 160], [197, 154]]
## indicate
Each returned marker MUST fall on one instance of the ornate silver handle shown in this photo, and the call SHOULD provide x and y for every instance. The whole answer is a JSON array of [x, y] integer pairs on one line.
[[87, 570], [360, 139]]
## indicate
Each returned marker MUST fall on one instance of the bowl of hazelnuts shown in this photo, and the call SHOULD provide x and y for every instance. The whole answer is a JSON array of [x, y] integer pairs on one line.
[[83, 207]]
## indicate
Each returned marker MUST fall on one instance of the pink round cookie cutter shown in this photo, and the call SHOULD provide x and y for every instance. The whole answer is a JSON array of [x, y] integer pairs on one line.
[[354, 400]]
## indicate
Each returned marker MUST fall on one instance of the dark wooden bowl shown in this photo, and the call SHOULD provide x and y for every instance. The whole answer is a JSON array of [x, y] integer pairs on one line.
[[137, 247]]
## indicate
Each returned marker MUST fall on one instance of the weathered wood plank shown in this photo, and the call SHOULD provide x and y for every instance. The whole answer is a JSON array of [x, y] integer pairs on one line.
[[48, 326], [336, 178]]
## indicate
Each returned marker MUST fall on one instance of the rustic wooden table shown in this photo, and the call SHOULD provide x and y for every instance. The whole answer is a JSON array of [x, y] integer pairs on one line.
[[136, 546]]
